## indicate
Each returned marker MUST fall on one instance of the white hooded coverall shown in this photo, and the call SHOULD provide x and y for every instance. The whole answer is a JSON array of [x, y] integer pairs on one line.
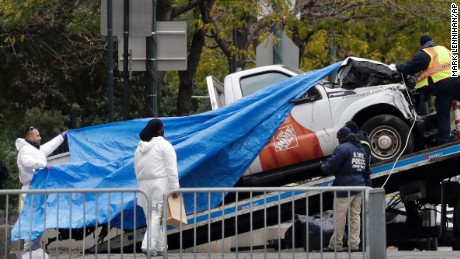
[[30, 159], [155, 165]]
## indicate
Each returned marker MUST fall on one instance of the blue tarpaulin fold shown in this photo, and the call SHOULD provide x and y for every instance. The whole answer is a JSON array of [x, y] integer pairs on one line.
[[214, 149]]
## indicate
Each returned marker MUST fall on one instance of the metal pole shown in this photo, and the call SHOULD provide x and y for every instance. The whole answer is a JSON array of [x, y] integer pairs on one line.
[[151, 68], [154, 84], [333, 55], [235, 43], [375, 224], [125, 59], [110, 68], [277, 55]]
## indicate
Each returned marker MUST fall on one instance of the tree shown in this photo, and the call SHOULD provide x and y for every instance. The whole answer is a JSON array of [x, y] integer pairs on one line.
[[387, 31], [54, 69], [326, 31], [186, 84], [54, 56]]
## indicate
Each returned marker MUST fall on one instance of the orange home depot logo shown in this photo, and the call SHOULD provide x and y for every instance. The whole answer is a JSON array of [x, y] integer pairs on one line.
[[285, 138], [290, 144]]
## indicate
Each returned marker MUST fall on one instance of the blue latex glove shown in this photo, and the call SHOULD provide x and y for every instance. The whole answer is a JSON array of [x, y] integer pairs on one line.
[[64, 134], [48, 167]]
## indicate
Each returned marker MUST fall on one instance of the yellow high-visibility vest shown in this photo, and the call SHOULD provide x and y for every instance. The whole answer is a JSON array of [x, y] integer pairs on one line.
[[363, 142], [439, 67]]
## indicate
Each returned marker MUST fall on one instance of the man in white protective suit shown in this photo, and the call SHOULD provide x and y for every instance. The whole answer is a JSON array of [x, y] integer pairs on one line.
[[31, 157], [155, 165]]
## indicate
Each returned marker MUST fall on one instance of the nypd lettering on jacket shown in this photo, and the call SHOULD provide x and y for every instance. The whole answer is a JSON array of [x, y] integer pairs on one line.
[[358, 161], [348, 164]]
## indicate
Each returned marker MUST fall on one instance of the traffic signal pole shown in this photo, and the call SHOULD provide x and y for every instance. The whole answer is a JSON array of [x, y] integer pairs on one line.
[[110, 68]]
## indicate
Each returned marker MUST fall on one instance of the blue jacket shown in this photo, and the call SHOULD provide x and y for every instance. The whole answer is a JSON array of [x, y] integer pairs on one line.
[[348, 163]]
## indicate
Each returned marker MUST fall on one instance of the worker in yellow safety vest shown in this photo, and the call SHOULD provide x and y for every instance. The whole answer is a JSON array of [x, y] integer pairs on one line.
[[436, 79]]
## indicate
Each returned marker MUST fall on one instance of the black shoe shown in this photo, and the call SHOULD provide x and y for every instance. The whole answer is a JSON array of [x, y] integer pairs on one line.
[[328, 249], [353, 249], [152, 253]]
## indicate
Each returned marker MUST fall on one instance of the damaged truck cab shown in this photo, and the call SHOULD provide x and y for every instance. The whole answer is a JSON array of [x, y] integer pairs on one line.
[[382, 102]]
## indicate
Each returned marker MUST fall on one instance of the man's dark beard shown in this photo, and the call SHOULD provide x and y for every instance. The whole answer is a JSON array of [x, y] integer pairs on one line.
[[33, 144]]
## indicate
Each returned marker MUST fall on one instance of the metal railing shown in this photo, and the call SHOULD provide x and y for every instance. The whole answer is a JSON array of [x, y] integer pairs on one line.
[[272, 222], [265, 220], [71, 222]]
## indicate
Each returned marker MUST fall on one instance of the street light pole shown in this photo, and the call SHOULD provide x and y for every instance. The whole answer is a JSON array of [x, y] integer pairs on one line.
[[125, 59], [110, 68], [151, 68]]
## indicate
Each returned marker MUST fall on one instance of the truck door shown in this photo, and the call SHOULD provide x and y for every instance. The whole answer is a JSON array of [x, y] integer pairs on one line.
[[216, 92], [312, 111], [302, 137]]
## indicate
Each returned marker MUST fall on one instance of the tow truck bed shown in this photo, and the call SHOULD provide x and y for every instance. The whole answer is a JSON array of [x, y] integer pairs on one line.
[[432, 165]]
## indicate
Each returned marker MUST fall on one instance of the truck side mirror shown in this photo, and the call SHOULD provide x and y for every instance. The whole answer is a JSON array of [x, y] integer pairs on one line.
[[306, 99], [310, 96]]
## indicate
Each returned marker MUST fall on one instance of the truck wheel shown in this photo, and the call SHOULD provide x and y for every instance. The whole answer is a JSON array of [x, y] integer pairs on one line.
[[388, 135], [456, 228]]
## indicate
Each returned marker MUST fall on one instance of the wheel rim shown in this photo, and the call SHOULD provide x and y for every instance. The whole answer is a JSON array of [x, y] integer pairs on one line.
[[385, 142]]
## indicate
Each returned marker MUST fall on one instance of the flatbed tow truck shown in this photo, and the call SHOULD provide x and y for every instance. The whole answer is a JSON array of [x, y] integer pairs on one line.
[[420, 178], [426, 182]]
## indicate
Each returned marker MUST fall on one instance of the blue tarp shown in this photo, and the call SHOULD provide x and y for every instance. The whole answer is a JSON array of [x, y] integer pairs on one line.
[[214, 149]]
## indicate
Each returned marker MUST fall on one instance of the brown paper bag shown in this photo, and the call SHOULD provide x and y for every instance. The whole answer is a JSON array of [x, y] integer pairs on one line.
[[174, 211]]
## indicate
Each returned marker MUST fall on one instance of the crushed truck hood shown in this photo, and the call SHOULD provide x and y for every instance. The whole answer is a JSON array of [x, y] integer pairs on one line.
[[359, 72]]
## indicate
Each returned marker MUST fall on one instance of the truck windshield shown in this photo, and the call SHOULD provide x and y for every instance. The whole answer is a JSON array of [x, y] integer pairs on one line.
[[256, 82], [295, 70]]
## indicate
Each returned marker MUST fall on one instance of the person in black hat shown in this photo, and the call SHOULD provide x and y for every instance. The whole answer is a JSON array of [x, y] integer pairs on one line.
[[365, 143], [434, 62], [155, 166], [348, 163]]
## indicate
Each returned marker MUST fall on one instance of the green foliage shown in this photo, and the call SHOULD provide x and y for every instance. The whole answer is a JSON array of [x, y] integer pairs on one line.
[[212, 63], [17, 13], [49, 123], [316, 51], [169, 94], [55, 61], [8, 155], [85, 20], [382, 30]]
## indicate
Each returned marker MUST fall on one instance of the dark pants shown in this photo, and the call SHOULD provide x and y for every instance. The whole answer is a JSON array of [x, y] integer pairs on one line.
[[446, 91]]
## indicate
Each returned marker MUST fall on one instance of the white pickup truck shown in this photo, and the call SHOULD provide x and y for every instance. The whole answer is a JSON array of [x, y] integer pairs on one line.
[[378, 99]]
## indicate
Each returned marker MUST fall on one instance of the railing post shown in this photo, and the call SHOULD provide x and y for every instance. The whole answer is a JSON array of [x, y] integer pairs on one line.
[[376, 246]]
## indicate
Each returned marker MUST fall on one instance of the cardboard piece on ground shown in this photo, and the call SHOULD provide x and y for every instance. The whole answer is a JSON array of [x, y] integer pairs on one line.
[[174, 212]]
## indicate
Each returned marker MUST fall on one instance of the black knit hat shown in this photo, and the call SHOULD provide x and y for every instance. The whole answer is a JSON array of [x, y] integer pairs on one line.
[[424, 39], [352, 126], [154, 128], [343, 132]]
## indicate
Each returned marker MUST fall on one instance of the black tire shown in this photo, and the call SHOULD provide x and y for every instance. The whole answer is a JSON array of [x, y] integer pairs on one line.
[[388, 135], [456, 228]]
